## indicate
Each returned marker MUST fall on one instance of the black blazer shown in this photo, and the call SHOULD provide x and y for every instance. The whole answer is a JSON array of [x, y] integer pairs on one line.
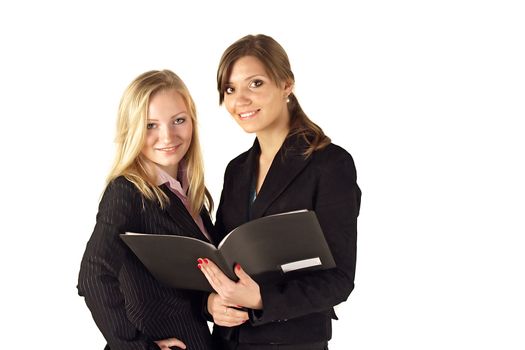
[[129, 306], [300, 309]]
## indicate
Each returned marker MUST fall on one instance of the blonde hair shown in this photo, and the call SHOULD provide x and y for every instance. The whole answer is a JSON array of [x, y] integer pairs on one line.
[[131, 134], [275, 60]]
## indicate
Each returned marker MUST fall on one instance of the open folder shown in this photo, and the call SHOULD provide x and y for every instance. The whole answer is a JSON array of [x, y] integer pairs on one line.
[[267, 248]]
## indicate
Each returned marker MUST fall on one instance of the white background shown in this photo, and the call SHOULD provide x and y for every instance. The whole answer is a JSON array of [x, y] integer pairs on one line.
[[428, 96]]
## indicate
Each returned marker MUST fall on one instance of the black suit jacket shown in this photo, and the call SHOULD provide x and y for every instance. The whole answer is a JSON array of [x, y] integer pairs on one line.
[[128, 305], [300, 309]]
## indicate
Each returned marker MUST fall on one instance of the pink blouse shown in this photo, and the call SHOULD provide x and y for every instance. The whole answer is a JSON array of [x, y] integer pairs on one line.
[[180, 191]]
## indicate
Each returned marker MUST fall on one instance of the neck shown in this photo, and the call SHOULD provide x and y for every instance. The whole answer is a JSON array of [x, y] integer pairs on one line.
[[153, 170], [270, 143]]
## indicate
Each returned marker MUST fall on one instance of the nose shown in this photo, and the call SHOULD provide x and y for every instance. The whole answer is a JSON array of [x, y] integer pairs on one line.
[[242, 98], [165, 134]]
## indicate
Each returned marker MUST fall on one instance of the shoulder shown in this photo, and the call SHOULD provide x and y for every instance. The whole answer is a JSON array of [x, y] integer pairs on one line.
[[332, 154], [240, 159], [121, 186], [121, 193], [237, 162], [334, 161], [122, 204]]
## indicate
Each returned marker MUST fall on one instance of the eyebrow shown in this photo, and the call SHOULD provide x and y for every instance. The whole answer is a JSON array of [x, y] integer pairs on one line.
[[172, 117], [248, 78]]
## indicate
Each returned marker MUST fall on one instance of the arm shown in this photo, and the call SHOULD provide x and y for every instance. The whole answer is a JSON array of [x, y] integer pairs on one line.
[[336, 202], [101, 265]]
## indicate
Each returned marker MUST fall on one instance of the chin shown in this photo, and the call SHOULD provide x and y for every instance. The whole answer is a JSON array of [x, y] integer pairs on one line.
[[169, 163], [249, 129]]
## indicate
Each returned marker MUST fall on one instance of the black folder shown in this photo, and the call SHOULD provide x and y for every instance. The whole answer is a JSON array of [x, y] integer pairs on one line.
[[267, 248]]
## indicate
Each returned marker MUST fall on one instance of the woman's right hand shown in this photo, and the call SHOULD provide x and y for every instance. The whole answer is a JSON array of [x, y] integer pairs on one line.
[[223, 313], [166, 344]]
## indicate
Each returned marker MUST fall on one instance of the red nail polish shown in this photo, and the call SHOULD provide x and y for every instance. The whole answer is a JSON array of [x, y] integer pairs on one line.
[[206, 261], [199, 260], [238, 267], [199, 266]]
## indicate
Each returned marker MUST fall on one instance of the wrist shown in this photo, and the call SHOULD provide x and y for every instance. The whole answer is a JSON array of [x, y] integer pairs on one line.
[[209, 303], [257, 302]]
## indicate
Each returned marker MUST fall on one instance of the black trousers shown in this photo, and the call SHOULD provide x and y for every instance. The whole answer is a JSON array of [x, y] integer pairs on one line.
[[230, 345]]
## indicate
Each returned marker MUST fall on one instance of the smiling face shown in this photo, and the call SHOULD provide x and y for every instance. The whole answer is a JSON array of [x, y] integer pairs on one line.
[[257, 103], [169, 130]]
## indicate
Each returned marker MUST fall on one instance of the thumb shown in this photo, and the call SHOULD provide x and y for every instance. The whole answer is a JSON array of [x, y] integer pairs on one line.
[[239, 271]]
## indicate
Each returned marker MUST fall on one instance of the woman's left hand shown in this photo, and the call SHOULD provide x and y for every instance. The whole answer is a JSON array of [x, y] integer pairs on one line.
[[166, 344], [245, 292]]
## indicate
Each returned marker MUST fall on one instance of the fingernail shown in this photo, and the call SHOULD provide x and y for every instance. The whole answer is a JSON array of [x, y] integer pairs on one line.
[[199, 266], [200, 261], [206, 261], [238, 267]]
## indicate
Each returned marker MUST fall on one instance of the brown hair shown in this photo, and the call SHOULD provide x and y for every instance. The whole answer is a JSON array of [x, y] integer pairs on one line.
[[275, 60]]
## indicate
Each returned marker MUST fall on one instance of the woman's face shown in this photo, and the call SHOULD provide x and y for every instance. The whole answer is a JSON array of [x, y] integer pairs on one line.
[[169, 130], [254, 100]]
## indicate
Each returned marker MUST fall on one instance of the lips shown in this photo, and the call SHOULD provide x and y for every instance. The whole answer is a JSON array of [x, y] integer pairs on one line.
[[167, 149], [248, 115]]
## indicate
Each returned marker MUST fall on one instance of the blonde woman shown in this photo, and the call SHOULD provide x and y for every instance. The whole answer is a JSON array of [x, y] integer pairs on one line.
[[156, 185]]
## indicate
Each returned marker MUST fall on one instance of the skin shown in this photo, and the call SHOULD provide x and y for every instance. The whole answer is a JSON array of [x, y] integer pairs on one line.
[[169, 133], [165, 344], [258, 105]]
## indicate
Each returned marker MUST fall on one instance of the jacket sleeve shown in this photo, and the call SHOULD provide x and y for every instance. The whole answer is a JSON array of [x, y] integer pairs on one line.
[[102, 263], [336, 203]]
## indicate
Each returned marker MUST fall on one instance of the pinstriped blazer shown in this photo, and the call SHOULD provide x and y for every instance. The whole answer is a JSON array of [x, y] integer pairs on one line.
[[129, 306]]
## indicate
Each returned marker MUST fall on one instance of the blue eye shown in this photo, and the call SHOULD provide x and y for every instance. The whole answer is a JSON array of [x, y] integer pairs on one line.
[[151, 126]]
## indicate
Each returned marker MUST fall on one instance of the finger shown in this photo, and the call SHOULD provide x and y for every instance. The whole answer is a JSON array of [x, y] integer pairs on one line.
[[208, 272], [243, 276], [210, 279], [167, 343], [218, 277], [226, 323], [162, 343], [228, 320], [234, 315], [216, 306], [237, 314], [215, 271], [224, 312], [233, 309], [212, 269], [170, 342], [203, 266], [214, 281]]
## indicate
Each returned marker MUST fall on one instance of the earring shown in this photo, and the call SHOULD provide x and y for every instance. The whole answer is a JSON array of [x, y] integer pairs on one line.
[[287, 99]]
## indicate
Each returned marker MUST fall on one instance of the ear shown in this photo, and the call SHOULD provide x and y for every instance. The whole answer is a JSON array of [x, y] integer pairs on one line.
[[288, 87]]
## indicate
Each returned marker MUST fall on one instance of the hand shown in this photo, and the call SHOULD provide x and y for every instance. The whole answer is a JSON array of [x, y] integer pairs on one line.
[[223, 313], [165, 344], [245, 292]]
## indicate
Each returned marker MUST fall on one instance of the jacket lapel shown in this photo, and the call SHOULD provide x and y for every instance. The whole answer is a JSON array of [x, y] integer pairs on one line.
[[286, 165], [178, 212], [244, 177]]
